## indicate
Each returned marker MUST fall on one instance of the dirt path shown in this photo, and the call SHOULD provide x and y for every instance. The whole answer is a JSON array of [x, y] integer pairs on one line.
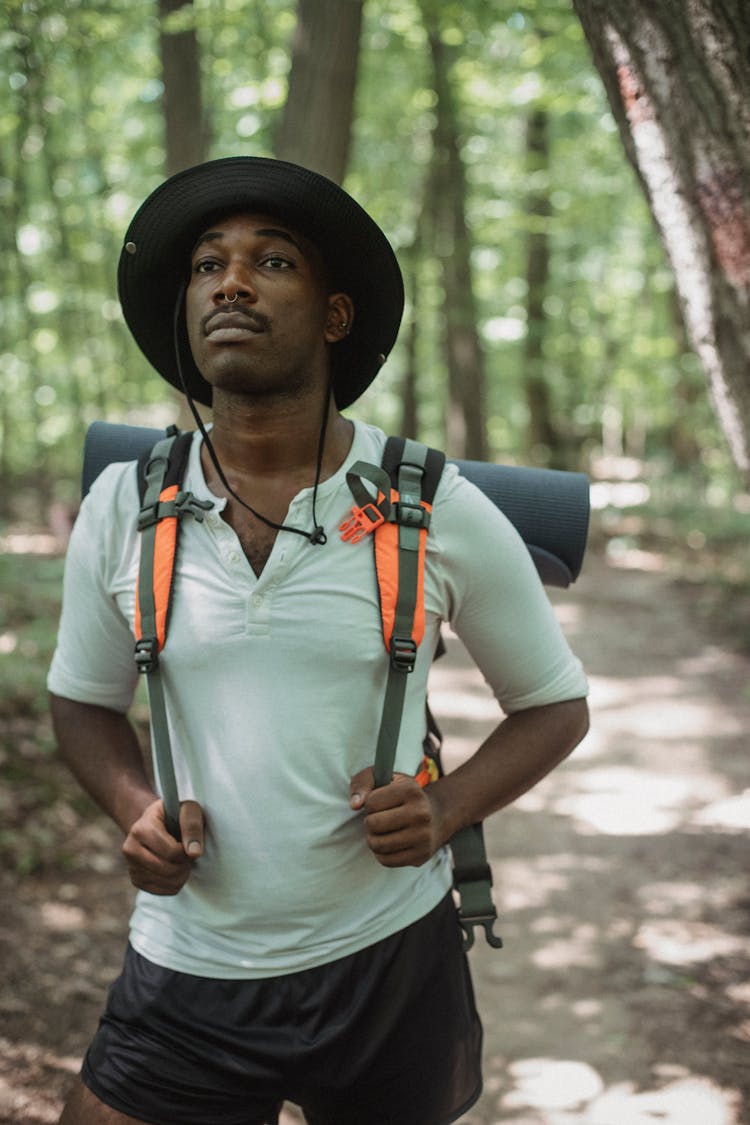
[[622, 995]]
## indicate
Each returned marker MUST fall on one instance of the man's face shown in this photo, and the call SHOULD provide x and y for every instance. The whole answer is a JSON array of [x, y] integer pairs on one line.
[[273, 338]]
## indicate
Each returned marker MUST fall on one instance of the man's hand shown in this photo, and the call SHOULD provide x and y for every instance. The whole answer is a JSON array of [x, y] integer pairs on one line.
[[158, 863], [402, 822]]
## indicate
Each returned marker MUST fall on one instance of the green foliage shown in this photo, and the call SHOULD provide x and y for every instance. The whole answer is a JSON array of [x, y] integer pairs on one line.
[[694, 529], [31, 782], [81, 144], [44, 816], [29, 610]]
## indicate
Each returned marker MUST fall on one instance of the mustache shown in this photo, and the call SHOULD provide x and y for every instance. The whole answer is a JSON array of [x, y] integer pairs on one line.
[[257, 319]]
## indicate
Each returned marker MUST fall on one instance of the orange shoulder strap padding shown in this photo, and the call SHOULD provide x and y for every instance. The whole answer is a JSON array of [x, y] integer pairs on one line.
[[165, 545], [387, 570]]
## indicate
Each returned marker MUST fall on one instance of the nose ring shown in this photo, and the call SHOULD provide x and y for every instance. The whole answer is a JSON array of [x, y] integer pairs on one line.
[[231, 300]]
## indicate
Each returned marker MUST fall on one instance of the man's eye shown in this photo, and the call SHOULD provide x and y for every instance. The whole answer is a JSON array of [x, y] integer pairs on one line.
[[275, 262], [208, 265]]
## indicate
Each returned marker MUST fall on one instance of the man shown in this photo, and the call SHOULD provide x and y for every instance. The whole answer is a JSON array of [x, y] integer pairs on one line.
[[300, 941]]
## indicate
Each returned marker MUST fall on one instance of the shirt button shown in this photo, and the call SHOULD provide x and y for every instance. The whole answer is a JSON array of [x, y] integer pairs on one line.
[[257, 600], [234, 557]]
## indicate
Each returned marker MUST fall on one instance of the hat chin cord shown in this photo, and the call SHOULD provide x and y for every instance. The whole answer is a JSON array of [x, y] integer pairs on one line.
[[317, 537]]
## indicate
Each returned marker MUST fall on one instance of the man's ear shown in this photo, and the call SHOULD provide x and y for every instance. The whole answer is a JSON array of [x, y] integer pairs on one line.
[[340, 317]]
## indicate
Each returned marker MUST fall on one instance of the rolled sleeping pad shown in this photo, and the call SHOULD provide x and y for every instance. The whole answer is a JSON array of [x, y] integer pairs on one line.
[[548, 508], [108, 442]]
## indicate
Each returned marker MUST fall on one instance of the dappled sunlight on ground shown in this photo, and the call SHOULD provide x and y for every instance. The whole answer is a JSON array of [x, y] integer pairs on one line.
[[676, 941], [731, 814], [31, 543], [30, 1077], [624, 801], [621, 995], [573, 1093]]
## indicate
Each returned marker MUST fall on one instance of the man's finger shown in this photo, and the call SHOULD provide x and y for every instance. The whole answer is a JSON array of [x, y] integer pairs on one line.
[[192, 827], [150, 833], [400, 791], [360, 788]]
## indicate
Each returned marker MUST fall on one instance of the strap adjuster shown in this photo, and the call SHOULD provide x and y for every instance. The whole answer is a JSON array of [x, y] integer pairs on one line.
[[403, 654], [407, 513], [146, 654], [149, 515]]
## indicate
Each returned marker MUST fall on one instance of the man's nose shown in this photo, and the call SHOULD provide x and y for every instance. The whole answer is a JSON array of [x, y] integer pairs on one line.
[[236, 284]]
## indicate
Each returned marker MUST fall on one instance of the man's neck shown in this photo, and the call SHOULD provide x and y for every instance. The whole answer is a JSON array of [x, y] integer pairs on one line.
[[276, 438]]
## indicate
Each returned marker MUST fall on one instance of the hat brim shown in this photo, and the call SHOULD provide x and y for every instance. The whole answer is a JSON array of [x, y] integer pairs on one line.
[[154, 263]]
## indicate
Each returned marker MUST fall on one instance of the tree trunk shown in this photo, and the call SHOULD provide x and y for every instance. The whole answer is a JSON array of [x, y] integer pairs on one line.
[[542, 438], [677, 75], [18, 208], [409, 426], [466, 428], [185, 129], [315, 129]]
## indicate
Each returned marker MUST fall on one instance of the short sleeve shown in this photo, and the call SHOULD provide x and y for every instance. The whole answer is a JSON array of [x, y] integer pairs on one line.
[[498, 605], [93, 660]]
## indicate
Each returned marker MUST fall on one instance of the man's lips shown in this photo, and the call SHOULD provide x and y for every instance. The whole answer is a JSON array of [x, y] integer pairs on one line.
[[222, 327]]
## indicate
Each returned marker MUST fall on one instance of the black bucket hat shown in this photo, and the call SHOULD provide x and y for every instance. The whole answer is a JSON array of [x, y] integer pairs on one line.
[[155, 261]]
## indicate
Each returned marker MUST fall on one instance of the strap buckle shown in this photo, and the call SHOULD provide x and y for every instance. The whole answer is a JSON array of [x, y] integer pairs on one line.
[[362, 521], [403, 654], [486, 921], [407, 513], [185, 504], [146, 654]]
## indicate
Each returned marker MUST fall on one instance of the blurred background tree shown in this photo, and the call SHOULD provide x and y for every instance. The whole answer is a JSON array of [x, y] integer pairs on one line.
[[543, 323], [678, 80]]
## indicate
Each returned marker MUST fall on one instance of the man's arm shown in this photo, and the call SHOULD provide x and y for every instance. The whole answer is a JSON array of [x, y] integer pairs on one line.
[[405, 824], [100, 747]]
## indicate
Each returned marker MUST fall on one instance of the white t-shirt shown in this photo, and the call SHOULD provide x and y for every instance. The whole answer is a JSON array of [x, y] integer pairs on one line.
[[274, 691]]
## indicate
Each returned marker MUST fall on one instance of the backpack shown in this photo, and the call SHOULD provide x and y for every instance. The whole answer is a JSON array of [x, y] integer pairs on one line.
[[393, 504]]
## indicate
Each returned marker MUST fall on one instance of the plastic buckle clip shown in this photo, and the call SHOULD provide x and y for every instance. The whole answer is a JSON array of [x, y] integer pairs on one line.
[[361, 522], [486, 921], [403, 654], [146, 654], [185, 504]]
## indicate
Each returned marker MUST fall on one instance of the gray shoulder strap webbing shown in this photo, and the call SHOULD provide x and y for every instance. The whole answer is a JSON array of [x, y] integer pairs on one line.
[[472, 875], [165, 464]]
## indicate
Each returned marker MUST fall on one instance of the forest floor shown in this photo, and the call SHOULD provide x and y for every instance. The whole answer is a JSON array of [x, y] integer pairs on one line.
[[621, 996]]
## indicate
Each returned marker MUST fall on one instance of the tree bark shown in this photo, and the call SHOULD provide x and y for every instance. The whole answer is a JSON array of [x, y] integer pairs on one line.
[[315, 128], [466, 421], [677, 75], [409, 404], [185, 128], [29, 96]]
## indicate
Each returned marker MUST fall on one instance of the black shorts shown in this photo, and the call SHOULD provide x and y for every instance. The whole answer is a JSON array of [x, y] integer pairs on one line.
[[386, 1036]]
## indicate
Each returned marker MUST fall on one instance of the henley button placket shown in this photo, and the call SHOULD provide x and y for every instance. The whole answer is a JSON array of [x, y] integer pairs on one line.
[[258, 615]]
